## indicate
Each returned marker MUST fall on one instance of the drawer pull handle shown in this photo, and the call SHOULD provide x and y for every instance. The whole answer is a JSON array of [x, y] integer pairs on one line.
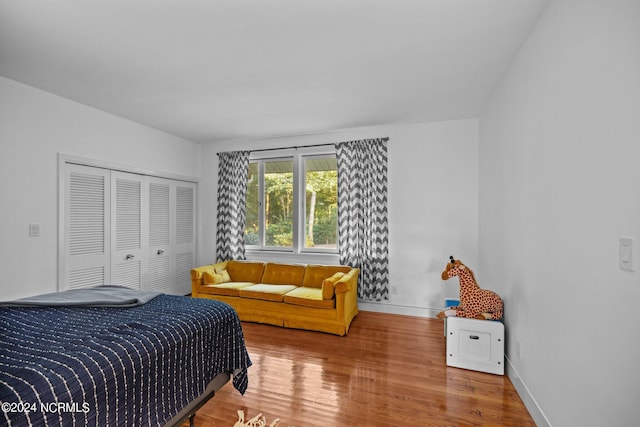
[[473, 337]]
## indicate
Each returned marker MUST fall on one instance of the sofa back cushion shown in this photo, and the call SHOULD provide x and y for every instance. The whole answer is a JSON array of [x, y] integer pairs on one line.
[[283, 274], [315, 274], [245, 271]]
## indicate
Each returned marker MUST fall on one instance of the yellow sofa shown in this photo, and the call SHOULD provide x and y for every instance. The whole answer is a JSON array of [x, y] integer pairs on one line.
[[314, 297]]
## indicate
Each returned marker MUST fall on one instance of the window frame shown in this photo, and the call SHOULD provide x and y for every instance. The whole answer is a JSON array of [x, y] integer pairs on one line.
[[298, 157]]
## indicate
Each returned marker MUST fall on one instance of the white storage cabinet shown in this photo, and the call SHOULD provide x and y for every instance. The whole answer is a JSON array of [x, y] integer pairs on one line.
[[475, 344]]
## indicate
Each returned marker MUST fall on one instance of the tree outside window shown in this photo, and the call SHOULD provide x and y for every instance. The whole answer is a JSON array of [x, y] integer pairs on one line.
[[321, 207]]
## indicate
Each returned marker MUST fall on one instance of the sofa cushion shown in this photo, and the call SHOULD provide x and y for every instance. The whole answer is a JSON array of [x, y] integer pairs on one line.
[[229, 288], [315, 274], [267, 292], [328, 285], [209, 278], [245, 271], [283, 274], [309, 297]]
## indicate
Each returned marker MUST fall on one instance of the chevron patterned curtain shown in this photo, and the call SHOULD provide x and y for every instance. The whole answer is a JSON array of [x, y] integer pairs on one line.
[[362, 214], [233, 168]]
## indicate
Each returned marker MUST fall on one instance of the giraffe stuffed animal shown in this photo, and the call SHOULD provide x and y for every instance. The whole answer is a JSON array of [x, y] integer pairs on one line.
[[475, 303]]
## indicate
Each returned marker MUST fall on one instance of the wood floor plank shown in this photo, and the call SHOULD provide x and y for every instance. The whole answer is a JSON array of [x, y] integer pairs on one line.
[[389, 371]]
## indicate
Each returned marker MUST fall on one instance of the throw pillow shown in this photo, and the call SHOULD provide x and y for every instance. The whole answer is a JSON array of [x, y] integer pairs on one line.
[[216, 278]]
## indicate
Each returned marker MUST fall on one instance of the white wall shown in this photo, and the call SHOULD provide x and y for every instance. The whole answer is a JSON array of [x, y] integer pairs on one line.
[[433, 204], [560, 183], [36, 126]]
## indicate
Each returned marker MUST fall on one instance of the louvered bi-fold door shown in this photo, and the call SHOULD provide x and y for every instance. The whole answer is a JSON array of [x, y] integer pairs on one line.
[[86, 261], [127, 229], [185, 236], [171, 252], [128, 263], [160, 253]]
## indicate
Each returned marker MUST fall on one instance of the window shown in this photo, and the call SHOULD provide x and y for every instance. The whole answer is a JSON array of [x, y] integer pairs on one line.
[[292, 203]]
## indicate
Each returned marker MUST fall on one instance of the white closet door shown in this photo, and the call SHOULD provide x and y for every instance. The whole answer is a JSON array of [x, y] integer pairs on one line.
[[129, 231], [185, 235], [87, 224], [126, 229], [160, 250]]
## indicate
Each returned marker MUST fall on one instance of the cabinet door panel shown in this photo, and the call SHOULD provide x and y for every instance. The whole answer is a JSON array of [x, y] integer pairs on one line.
[[128, 229], [160, 247], [185, 246], [86, 235]]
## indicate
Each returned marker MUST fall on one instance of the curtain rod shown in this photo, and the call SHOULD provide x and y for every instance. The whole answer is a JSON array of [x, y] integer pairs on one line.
[[295, 147]]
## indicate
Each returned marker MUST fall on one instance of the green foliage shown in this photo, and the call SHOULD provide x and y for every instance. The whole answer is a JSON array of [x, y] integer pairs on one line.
[[322, 206], [251, 235], [325, 231], [279, 234]]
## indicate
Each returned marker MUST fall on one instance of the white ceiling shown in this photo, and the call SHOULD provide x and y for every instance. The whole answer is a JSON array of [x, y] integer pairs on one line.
[[211, 70]]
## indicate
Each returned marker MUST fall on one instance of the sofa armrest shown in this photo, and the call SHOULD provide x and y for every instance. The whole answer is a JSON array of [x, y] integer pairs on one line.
[[348, 282], [347, 297], [196, 277]]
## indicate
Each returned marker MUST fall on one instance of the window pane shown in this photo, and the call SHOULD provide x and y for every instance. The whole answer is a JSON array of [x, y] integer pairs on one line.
[[278, 203], [251, 230], [321, 207]]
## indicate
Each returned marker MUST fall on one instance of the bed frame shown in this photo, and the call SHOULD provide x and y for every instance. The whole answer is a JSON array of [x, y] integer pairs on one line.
[[189, 411]]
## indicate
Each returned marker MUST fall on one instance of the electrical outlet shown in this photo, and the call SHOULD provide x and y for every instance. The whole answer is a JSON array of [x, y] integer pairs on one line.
[[34, 230], [518, 350], [394, 290]]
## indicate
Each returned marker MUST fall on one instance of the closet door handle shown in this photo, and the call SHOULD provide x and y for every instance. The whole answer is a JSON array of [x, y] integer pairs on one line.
[[129, 256], [160, 251]]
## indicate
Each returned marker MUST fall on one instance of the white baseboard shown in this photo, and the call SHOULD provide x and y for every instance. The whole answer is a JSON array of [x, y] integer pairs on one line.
[[397, 309], [529, 402]]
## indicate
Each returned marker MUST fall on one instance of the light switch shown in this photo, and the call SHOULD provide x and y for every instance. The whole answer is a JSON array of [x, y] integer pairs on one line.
[[626, 253], [34, 230]]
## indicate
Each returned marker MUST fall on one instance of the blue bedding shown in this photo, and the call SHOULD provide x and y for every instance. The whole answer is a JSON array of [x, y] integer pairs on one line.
[[106, 366]]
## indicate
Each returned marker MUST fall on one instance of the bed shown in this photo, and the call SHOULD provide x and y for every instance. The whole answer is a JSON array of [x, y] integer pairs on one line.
[[148, 361]]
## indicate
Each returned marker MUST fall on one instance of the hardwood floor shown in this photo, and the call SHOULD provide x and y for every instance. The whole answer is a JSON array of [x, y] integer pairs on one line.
[[389, 371]]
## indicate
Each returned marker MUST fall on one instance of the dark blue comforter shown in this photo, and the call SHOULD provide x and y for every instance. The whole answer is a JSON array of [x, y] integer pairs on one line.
[[115, 366]]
